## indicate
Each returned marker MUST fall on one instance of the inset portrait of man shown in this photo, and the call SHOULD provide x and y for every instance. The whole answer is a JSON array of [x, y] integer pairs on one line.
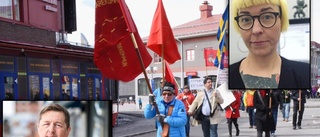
[[54, 121]]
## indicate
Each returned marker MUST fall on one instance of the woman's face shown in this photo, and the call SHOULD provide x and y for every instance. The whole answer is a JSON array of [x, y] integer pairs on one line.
[[259, 40]]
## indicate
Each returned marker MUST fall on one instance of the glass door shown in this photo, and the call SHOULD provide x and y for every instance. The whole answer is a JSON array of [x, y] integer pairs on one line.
[[8, 86], [70, 87], [40, 87]]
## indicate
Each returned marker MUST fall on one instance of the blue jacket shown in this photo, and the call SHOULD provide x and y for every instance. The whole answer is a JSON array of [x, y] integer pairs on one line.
[[158, 93], [176, 121]]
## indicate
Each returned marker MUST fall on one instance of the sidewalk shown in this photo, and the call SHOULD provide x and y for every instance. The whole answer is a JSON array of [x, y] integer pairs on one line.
[[311, 121]]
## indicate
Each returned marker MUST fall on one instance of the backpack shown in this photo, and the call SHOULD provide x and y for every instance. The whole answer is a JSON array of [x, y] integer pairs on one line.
[[249, 99]]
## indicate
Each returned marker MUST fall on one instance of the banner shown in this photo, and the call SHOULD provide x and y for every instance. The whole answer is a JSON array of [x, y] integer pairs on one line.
[[209, 56], [115, 54]]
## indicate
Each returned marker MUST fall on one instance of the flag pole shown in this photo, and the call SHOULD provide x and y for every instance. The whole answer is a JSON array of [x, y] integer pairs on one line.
[[131, 28], [218, 73], [163, 65], [300, 100], [206, 71], [143, 68]]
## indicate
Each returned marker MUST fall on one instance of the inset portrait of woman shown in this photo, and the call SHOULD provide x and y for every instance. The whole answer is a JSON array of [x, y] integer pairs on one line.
[[260, 24]]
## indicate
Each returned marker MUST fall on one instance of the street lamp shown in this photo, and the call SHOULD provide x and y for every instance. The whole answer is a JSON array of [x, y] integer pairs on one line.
[[152, 70]]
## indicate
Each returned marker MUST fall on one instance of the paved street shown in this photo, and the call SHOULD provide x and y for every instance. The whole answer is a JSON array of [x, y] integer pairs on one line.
[[132, 123]]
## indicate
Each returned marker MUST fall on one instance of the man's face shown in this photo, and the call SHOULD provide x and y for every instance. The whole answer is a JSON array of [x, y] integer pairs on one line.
[[52, 124], [167, 96]]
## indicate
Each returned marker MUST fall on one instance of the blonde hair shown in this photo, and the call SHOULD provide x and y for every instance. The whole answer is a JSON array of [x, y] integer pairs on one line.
[[236, 5]]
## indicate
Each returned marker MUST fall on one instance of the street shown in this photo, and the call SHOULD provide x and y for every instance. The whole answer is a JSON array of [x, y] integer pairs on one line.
[[310, 125]]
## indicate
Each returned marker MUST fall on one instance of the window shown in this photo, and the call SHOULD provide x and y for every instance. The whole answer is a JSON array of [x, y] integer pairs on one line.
[[157, 58], [142, 87], [190, 55], [10, 9]]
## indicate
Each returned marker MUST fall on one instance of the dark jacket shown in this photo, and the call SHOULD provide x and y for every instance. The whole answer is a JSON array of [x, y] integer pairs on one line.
[[293, 75], [263, 116], [295, 96], [277, 98], [285, 93]]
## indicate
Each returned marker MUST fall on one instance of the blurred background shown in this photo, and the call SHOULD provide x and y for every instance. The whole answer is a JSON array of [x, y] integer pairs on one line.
[[87, 118]]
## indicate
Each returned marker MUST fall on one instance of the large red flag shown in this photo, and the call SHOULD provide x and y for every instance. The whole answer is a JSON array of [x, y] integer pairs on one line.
[[114, 52], [161, 35], [170, 78]]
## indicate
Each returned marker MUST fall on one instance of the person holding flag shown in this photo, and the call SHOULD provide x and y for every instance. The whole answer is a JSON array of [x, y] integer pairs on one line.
[[260, 23], [172, 118], [210, 100], [187, 98], [299, 99]]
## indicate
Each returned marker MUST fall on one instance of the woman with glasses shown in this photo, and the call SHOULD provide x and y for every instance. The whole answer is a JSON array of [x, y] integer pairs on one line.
[[172, 118], [260, 23]]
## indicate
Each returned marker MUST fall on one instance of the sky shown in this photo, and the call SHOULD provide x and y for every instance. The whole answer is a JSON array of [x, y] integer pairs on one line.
[[178, 12], [142, 11]]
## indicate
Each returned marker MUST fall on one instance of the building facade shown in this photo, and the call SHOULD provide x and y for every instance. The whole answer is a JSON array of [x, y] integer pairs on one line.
[[37, 61]]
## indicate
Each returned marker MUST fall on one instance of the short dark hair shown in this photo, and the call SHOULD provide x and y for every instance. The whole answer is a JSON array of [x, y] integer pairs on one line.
[[57, 108], [206, 79]]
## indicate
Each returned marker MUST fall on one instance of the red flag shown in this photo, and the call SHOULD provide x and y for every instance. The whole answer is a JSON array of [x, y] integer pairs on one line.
[[209, 56], [114, 52], [170, 78], [161, 35]]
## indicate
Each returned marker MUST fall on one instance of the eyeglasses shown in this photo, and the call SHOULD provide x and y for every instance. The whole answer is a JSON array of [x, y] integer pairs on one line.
[[169, 94], [267, 20]]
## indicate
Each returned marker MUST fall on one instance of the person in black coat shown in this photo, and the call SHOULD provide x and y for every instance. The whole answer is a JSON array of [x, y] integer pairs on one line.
[[263, 117], [298, 99]]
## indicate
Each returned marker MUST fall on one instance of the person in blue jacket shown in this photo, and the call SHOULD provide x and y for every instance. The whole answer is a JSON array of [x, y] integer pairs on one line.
[[178, 118]]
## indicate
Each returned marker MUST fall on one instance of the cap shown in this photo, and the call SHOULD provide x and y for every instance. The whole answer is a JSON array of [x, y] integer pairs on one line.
[[168, 88]]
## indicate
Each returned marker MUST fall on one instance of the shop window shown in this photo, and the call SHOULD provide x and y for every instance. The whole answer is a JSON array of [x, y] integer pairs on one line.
[[8, 84], [10, 9], [34, 87]]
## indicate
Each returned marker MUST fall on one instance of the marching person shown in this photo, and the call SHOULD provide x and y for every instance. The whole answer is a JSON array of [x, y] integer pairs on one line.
[[249, 106], [276, 105], [210, 100], [264, 118], [158, 93], [299, 99], [286, 97], [172, 118], [187, 98], [232, 113]]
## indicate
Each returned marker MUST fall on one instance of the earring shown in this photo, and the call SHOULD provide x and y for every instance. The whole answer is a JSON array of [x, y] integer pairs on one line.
[[284, 40], [238, 46]]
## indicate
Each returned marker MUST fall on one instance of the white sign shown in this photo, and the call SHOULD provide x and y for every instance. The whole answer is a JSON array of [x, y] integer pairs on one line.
[[196, 83], [223, 76], [50, 8], [226, 94]]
